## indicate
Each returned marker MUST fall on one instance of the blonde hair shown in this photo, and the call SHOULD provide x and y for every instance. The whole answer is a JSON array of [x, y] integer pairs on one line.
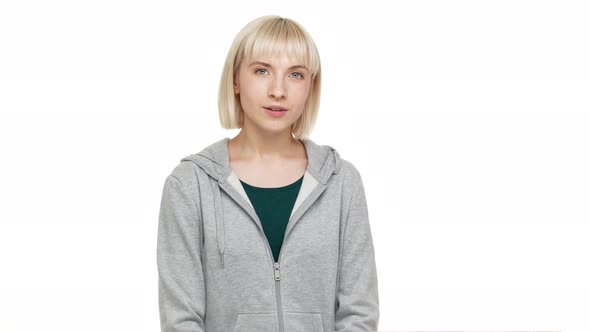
[[270, 35]]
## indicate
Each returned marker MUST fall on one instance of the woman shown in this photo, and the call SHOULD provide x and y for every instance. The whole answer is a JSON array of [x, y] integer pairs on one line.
[[267, 231]]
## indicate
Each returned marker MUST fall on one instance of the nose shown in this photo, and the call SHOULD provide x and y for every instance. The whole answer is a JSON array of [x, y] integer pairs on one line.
[[277, 89]]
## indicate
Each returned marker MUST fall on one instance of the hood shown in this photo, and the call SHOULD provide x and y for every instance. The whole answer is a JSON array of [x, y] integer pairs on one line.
[[322, 162]]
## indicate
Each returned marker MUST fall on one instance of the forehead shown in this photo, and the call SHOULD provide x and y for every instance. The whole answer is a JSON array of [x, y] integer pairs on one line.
[[276, 61]]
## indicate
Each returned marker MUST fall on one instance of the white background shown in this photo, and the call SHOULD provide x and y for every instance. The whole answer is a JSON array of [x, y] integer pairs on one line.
[[468, 120]]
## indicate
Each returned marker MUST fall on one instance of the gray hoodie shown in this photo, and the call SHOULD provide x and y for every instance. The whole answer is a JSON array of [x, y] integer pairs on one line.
[[216, 268]]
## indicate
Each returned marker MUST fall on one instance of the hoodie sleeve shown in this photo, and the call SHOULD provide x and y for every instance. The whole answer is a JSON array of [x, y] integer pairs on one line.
[[357, 296], [181, 283]]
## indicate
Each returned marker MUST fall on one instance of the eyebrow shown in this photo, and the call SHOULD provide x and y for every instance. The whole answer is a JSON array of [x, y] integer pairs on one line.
[[269, 66]]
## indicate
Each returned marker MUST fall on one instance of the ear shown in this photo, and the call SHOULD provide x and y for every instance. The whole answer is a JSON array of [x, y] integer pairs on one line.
[[236, 86]]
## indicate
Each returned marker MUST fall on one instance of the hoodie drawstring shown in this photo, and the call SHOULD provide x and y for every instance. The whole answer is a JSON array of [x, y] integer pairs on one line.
[[219, 222]]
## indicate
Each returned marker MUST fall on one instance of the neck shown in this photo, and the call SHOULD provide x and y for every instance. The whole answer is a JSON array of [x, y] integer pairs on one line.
[[260, 146]]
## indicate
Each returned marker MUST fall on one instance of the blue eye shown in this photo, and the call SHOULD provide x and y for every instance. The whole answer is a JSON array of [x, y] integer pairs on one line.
[[257, 71]]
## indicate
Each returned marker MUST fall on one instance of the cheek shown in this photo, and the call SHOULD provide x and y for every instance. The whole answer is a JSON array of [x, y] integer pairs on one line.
[[252, 88], [303, 92], [247, 91]]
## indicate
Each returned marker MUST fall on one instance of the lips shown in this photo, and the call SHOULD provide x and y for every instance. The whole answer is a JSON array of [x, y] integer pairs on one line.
[[276, 108]]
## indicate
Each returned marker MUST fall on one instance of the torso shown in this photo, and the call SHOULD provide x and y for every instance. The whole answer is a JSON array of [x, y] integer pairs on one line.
[[264, 175]]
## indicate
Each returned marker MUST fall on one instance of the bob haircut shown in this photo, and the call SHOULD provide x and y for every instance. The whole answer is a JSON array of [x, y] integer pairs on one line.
[[270, 35]]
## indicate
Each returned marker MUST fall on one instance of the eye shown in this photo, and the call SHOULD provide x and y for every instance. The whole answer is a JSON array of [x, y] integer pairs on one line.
[[300, 75], [257, 71]]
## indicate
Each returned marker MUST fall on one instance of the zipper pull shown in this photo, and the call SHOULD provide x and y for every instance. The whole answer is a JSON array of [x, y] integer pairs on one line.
[[277, 271]]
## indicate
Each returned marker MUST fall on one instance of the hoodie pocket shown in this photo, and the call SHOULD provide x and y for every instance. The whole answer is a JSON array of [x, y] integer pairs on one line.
[[248, 322], [303, 322]]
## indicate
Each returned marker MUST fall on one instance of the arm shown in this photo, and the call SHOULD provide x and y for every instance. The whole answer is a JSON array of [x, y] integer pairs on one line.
[[181, 283], [357, 296]]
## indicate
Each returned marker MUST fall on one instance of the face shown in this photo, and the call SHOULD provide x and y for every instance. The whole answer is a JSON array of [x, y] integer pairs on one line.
[[272, 81]]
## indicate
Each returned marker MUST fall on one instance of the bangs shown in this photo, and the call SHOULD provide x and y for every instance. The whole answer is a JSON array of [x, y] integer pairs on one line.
[[281, 37]]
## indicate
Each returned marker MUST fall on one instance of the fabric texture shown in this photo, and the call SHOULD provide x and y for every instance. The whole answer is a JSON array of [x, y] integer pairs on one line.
[[217, 271], [273, 207]]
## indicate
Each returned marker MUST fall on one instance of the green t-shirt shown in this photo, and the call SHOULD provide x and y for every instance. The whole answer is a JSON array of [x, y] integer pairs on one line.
[[273, 207]]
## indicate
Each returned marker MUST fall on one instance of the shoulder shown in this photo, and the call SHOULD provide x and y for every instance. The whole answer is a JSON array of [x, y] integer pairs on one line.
[[349, 168], [185, 174], [348, 179], [350, 172], [184, 171]]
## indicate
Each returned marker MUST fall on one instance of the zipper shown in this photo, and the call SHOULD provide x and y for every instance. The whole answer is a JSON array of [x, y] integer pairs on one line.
[[276, 265], [278, 288], [277, 278]]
